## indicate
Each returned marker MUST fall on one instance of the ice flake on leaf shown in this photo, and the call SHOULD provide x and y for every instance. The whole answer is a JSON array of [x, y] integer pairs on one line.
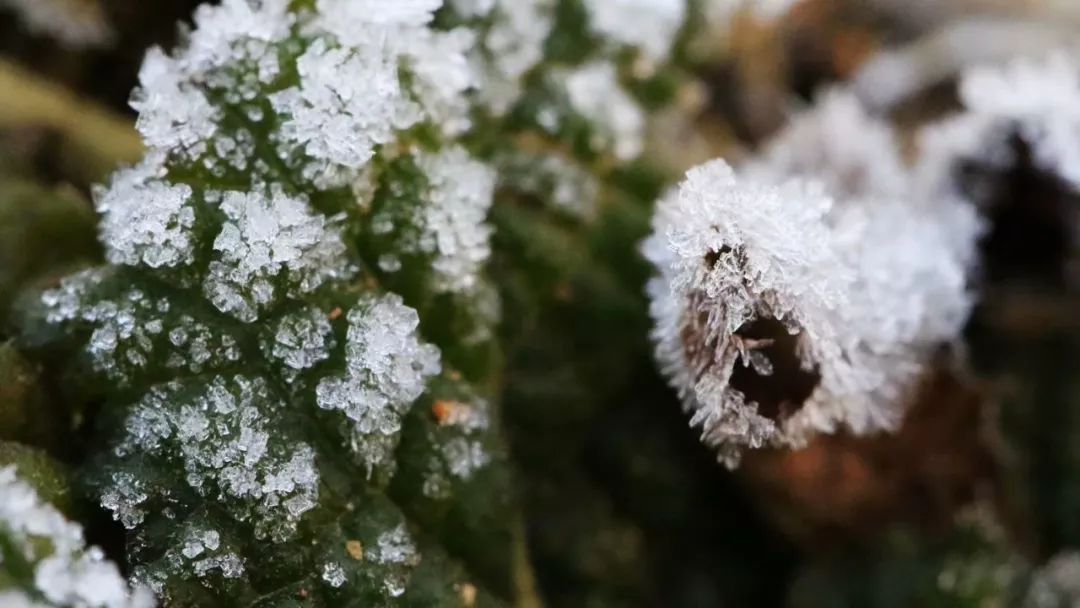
[[453, 219], [145, 219], [784, 307], [235, 30], [396, 550], [65, 571], [595, 93], [349, 101], [333, 574], [460, 448], [223, 433], [387, 367], [351, 97], [174, 112], [650, 25], [300, 340], [201, 554], [269, 239]]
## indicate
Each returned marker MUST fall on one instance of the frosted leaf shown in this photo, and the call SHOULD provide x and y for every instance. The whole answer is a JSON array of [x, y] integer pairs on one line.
[[300, 340], [223, 433], [387, 367], [77, 24], [781, 311], [594, 92], [264, 239], [146, 220], [65, 571], [125, 497], [650, 25], [453, 220]]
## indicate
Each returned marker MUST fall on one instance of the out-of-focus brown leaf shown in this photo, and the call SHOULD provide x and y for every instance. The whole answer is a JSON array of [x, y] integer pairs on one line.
[[843, 488]]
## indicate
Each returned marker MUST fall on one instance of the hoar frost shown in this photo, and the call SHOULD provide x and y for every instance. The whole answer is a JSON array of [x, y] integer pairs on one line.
[[386, 370], [265, 236], [221, 434], [805, 292], [65, 571]]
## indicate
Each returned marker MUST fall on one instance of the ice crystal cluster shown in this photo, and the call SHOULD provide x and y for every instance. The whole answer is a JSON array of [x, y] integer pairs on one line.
[[806, 290], [61, 570]]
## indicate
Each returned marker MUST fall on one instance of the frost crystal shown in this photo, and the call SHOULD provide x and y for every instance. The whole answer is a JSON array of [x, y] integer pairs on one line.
[[787, 305], [65, 571], [132, 329], [300, 340], [146, 220], [396, 549], [650, 25], [263, 237], [594, 92], [386, 370], [202, 554], [333, 574], [338, 119], [453, 221], [223, 436]]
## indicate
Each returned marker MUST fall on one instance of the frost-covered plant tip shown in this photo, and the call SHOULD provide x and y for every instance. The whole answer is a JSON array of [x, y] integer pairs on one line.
[[806, 290]]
